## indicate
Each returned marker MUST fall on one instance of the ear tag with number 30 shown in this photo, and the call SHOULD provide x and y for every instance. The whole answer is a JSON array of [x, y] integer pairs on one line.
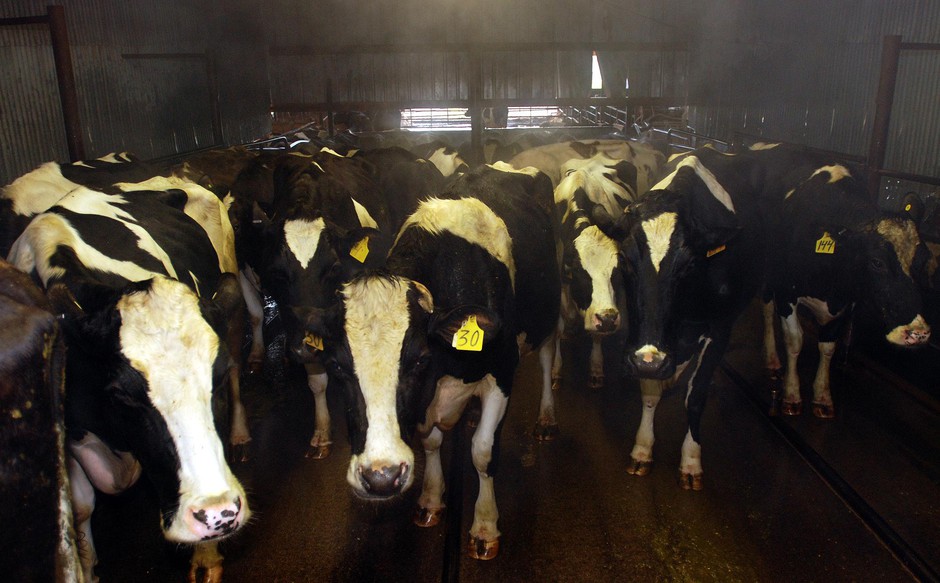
[[825, 244], [313, 341], [469, 336], [360, 250]]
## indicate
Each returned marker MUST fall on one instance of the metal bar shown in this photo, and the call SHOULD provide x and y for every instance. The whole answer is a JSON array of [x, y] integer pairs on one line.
[[65, 76], [288, 51], [621, 102], [920, 46], [932, 180], [214, 109], [23, 20], [168, 56], [884, 99], [475, 91]]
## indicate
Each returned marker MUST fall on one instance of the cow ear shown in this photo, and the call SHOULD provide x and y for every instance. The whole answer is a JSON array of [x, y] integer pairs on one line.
[[446, 325], [425, 300], [224, 304], [321, 326], [615, 228], [710, 223], [92, 324], [627, 176]]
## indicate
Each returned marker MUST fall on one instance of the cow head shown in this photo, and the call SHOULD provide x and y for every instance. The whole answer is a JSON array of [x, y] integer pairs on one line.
[[378, 345], [889, 262], [671, 265], [148, 359]]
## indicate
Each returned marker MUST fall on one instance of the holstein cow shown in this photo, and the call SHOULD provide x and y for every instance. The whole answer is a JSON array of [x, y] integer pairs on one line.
[[310, 236], [694, 258], [38, 190], [592, 290], [550, 158], [38, 538], [833, 249], [472, 282], [145, 302], [443, 156]]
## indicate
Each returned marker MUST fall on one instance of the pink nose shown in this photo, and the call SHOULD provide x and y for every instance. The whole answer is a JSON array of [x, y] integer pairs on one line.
[[213, 520], [914, 337]]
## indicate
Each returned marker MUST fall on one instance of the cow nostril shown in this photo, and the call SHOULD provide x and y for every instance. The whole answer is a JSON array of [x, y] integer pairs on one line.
[[384, 481]]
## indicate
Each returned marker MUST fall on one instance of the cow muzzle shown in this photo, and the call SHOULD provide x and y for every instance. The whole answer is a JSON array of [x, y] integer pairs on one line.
[[914, 334], [382, 480], [215, 517], [651, 363], [605, 322]]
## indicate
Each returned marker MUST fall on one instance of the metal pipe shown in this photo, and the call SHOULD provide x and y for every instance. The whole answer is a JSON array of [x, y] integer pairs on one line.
[[890, 53], [65, 76]]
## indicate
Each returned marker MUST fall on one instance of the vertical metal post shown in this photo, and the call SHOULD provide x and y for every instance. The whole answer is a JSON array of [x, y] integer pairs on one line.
[[475, 88], [329, 103], [66, 78], [214, 109], [890, 53]]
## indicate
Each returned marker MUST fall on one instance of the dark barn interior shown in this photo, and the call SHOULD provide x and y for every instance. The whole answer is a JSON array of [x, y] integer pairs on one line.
[[840, 488]]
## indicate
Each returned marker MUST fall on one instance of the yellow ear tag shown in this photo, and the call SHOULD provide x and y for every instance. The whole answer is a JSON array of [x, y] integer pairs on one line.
[[907, 207], [469, 336], [825, 244], [360, 250], [715, 251], [313, 341]]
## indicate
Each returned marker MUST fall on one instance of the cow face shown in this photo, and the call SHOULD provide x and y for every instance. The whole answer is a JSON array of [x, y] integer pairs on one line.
[[888, 263], [592, 264], [149, 360], [377, 345], [673, 271]]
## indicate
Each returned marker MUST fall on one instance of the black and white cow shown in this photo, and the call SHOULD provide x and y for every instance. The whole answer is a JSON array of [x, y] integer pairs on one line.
[[833, 249], [146, 300], [694, 259], [36, 191], [592, 290], [38, 539], [472, 269], [551, 158], [303, 239], [444, 156]]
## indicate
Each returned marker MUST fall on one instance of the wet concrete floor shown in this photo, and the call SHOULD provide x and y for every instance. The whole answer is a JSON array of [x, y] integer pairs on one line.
[[569, 511]]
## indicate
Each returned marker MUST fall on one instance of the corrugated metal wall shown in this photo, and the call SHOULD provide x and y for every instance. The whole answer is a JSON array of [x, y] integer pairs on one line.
[[152, 106], [808, 72]]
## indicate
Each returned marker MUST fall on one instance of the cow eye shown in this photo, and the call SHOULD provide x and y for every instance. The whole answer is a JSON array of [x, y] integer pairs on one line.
[[877, 264]]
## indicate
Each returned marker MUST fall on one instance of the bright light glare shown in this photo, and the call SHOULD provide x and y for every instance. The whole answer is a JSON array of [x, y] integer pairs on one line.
[[596, 81]]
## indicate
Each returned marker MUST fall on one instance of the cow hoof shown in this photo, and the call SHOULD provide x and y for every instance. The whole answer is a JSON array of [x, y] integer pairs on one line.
[[428, 517], [255, 367], [240, 453], [690, 481], [483, 550], [596, 382], [211, 574], [639, 468], [824, 410], [545, 432], [318, 452], [792, 409], [556, 383]]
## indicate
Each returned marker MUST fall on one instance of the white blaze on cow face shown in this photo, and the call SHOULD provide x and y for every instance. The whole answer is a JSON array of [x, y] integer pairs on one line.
[[903, 237], [471, 220], [303, 237], [365, 219], [165, 338], [658, 232], [836, 172], [447, 163], [377, 318], [598, 254]]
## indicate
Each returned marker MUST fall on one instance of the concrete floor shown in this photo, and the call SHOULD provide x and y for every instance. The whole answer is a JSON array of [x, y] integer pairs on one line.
[[569, 511]]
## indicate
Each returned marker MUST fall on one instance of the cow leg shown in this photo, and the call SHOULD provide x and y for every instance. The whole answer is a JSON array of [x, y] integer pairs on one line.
[[822, 397], [320, 442], [250, 290], [83, 504], [206, 558], [110, 471], [713, 349], [556, 364], [239, 436], [546, 428], [771, 358], [484, 536], [642, 455], [793, 336], [430, 504], [597, 362]]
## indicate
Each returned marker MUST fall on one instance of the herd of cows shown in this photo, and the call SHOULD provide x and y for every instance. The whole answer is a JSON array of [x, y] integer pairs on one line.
[[411, 284]]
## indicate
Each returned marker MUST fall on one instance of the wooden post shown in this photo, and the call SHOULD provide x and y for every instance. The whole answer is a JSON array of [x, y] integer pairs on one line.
[[66, 78], [890, 53]]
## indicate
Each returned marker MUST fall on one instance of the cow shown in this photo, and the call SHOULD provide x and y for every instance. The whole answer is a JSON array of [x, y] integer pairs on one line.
[[38, 539], [550, 158], [694, 253], [38, 190], [834, 249], [443, 156], [145, 302], [471, 282], [592, 290], [303, 239]]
